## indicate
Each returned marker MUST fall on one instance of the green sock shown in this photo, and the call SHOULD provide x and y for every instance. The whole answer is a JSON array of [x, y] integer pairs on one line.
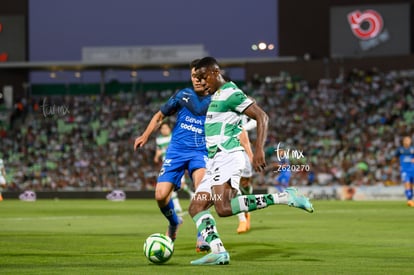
[[206, 225], [248, 203]]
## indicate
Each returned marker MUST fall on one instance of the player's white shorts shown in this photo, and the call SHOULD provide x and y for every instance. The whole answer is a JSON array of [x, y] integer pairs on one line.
[[2, 180], [222, 168], [248, 169]]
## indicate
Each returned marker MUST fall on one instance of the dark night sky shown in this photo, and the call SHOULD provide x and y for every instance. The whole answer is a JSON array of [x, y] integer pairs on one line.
[[227, 28], [59, 29]]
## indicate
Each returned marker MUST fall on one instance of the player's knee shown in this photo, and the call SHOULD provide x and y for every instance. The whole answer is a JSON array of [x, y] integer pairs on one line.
[[224, 213], [223, 210], [160, 196]]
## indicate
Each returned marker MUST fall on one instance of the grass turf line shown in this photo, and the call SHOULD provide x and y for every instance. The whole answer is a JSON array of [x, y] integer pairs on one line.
[[103, 237]]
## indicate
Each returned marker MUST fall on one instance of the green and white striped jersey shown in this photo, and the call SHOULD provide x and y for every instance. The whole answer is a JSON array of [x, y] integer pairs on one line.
[[162, 144], [223, 120]]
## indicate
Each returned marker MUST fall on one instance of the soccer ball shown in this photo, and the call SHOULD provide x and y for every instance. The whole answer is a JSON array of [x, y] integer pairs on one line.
[[158, 248]]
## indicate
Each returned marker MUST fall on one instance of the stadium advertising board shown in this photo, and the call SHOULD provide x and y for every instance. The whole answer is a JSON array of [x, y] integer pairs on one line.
[[357, 193], [12, 38], [370, 30], [150, 54]]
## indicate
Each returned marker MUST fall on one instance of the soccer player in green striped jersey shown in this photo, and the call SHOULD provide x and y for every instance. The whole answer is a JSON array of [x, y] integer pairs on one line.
[[220, 184], [162, 141]]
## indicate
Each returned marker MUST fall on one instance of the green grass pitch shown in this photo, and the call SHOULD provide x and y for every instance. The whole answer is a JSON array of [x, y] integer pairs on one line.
[[103, 237]]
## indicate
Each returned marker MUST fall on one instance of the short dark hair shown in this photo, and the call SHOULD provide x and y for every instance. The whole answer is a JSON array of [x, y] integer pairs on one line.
[[206, 62], [194, 63], [165, 122]]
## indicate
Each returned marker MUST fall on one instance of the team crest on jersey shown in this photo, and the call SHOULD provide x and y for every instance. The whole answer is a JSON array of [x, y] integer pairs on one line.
[[217, 94]]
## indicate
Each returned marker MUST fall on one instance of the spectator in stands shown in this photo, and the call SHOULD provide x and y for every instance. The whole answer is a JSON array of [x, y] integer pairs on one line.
[[340, 122]]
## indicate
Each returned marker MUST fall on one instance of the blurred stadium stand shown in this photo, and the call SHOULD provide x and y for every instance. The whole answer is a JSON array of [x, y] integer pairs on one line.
[[347, 114]]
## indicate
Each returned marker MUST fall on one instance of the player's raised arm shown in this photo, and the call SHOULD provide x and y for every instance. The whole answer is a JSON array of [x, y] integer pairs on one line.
[[152, 126], [257, 113]]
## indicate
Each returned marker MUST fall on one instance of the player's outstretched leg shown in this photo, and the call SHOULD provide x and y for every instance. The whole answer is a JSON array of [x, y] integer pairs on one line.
[[174, 220], [409, 194], [206, 225], [244, 218], [244, 222], [290, 197], [163, 194], [298, 200], [242, 228]]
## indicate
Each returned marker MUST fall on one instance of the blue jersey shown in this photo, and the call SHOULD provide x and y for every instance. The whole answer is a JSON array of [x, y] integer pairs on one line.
[[406, 156], [191, 109]]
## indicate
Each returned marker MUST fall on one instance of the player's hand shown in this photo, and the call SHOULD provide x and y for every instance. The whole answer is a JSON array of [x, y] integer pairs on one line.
[[259, 162], [140, 141]]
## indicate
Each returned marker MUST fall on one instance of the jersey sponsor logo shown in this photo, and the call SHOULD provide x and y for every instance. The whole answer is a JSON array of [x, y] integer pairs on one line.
[[191, 128], [193, 120], [186, 99]]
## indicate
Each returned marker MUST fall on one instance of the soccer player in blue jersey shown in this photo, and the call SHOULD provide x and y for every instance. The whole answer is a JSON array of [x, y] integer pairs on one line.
[[405, 153], [162, 141], [186, 150]]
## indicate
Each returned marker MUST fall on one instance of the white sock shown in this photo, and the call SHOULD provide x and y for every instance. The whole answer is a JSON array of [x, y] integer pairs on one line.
[[242, 217], [176, 202], [281, 198], [217, 246]]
